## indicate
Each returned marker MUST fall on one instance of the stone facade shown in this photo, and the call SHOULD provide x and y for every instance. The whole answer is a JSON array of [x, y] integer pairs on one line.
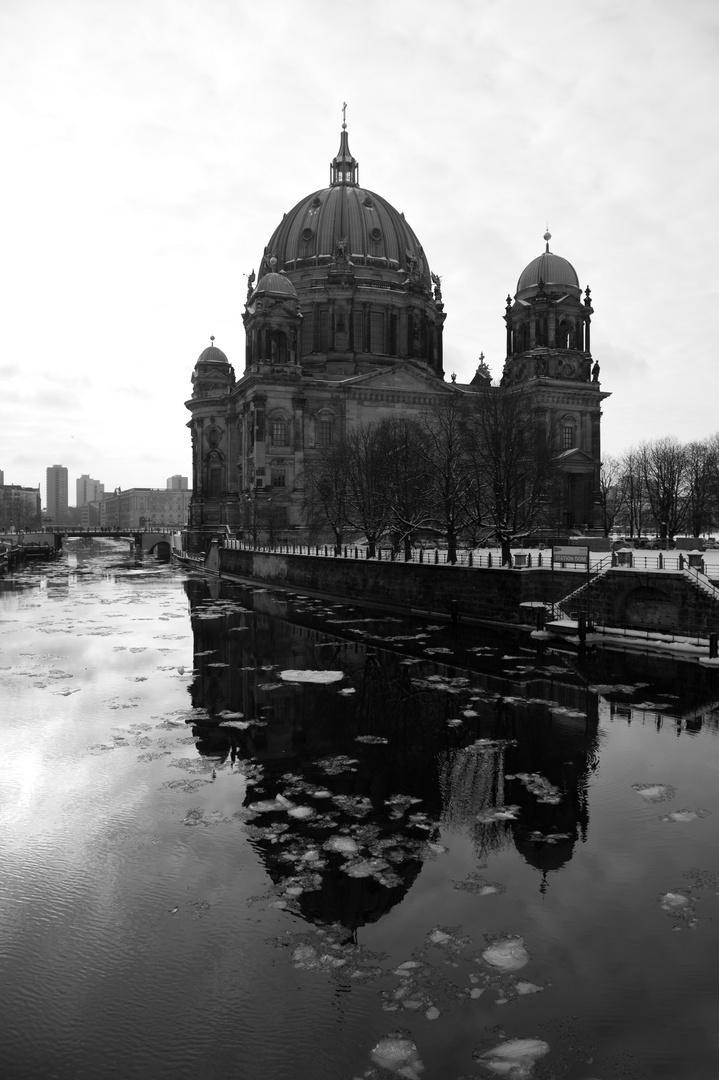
[[549, 355], [345, 326]]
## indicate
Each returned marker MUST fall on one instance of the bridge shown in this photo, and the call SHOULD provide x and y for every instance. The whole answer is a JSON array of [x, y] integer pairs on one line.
[[142, 541]]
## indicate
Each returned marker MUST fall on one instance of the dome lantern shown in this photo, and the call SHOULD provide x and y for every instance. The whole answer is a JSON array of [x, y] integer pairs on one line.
[[343, 167]]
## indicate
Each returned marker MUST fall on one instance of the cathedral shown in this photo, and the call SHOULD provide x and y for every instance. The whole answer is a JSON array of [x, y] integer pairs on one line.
[[343, 326]]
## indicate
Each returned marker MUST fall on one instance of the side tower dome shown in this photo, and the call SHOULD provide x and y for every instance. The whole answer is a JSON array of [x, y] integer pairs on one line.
[[549, 321], [272, 320], [363, 282]]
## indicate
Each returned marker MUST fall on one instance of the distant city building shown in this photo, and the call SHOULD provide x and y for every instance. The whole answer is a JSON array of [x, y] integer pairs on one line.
[[88, 490], [2, 478], [56, 498], [177, 483], [20, 507], [89, 515], [145, 508]]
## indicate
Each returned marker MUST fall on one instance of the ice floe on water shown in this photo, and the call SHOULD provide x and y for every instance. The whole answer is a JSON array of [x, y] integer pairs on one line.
[[655, 792], [686, 815], [344, 845], [507, 954], [514, 1059], [681, 908], [398, 1054], [371, 740], [306, 676], [340, 763], [497, 813], [479, 886], [488, 746], [538, 786]]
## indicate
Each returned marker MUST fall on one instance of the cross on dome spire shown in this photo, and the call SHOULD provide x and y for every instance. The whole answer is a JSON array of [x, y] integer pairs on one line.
[[343, 167], [547, 237]]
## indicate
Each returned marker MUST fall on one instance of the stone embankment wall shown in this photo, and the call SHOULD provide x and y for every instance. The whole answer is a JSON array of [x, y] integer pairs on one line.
[[661, 600], [494, 594]]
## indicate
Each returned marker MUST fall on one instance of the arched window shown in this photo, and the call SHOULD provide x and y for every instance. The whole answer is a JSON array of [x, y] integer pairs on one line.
[[569, 432], [278, 432], [214, 469]]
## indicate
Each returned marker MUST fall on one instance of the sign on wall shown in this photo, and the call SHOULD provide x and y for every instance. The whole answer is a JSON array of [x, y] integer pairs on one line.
[[570, 556]]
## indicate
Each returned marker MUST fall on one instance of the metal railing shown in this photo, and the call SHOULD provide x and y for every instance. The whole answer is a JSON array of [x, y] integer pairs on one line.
[[472, 557]]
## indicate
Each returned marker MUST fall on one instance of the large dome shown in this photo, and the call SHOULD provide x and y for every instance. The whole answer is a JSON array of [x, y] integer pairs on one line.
[[346, 223], [363, 288], [549, 269], [352, 221]]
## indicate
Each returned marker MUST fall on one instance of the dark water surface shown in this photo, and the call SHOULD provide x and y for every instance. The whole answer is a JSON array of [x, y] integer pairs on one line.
[[451, 844]]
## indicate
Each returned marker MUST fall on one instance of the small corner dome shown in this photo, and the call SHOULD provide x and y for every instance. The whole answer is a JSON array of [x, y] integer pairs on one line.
[[276, 285], [552, 270], [212, 355]]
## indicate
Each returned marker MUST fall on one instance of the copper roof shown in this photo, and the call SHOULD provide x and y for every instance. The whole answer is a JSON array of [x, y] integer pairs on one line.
[[353, 219], [551, 270], [212, 355], [279, 284]]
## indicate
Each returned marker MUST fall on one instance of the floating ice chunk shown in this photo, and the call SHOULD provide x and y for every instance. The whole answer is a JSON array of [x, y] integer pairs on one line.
[[348, 690], [655, 792], [301, 812], [265, 806], [432, 1012], [499, 813], [305, 956], [685, 815], [510, 954], [398, 1054], [306, 676], [476, 992], [528, 988], [515, 1059], [439, 937], [366, 868], [345, 845], [241, 725], [674, 901]]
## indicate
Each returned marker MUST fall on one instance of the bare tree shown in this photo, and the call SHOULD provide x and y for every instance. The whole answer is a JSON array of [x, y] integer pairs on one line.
[[612, 492], [406, 488], [325, 479], [513, 457], [452, 483], [367, 508], [701, 468], [665, 476], [635, 497]]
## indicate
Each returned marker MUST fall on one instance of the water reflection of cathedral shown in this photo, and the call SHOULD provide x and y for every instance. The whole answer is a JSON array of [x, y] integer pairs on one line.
[[413, 747]]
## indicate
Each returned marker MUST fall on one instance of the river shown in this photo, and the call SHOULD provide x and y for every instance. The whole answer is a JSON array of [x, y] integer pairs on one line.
[[255, 835]]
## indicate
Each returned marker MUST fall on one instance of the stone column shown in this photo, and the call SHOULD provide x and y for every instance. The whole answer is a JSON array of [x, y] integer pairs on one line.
[[298, 409]]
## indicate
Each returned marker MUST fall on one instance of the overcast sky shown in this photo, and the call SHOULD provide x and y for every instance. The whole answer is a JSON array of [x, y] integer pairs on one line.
[[151, 147]]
